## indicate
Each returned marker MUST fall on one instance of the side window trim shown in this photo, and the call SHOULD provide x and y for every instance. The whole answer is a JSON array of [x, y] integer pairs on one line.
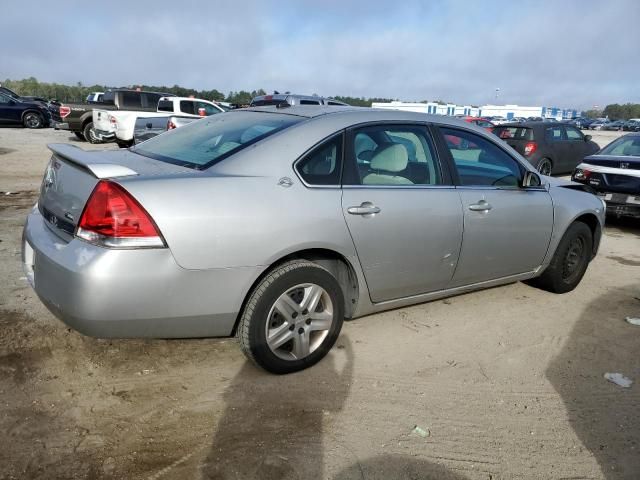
[[446, 153], [325, 140], [349, 169]]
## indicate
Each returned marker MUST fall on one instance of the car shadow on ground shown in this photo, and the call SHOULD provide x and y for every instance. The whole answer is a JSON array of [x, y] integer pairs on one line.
[[273, 428], [604, 416]]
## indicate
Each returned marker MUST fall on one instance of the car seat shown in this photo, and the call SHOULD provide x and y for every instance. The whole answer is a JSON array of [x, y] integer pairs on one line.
[[385, 164]]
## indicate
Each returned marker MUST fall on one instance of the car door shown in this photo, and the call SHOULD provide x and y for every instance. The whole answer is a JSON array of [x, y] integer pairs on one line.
[[555, 140], [507, 228], [577, 146], [403, 213], [10, 110]]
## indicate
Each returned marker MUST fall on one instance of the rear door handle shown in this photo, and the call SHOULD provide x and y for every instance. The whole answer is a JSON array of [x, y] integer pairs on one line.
[[365, 208], [481, 206]]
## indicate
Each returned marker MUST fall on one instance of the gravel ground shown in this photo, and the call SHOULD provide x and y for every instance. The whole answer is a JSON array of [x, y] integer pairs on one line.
[[505, 383]]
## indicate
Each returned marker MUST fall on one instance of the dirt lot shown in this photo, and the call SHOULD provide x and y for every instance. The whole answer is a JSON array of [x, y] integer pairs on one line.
[[507, 383]]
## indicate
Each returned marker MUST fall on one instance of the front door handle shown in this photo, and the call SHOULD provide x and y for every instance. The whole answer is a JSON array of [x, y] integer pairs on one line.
[[365, 208], [481, 206]]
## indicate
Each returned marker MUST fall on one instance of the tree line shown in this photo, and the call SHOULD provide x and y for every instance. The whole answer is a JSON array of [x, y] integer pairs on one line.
[[78, 93], [616, 111]]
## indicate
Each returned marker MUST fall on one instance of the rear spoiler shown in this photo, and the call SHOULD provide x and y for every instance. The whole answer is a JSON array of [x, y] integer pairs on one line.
[[88, 161]]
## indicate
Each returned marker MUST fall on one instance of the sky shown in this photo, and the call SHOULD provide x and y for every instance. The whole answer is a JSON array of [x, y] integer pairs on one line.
[[562, 53]]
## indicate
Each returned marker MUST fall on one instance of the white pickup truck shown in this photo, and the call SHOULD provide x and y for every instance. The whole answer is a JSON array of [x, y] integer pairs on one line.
[[120, 124]]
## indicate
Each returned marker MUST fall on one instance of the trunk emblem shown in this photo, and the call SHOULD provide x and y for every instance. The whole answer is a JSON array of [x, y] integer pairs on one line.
[[624, 165]]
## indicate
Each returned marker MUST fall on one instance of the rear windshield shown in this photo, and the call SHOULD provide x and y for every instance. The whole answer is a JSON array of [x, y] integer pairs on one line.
[[206, 142], [514, 133], [624, 147]]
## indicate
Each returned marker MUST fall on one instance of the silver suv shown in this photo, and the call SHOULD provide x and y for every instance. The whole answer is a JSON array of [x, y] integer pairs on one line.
[[289, 99]]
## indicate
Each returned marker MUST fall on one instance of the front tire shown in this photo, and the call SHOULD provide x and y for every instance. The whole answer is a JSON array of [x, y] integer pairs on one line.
[[570, 261], [292, 317], [32, 120]]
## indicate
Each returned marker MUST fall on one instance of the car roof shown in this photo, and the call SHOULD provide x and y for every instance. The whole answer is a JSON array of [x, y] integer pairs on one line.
[[363, 114]]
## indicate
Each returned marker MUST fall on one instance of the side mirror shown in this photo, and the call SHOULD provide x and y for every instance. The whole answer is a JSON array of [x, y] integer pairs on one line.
[[587, 138], [531, 179]]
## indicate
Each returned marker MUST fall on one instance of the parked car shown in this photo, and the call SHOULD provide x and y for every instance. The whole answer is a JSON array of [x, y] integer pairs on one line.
[[614, 173], [276, 224], [599, 124], [149, 127], [290, 99], [551, 148], [78, 117], [120, 125], [14, 111], [631, 126], [498, 120], [29, 99], [616, 125], [481, 122]]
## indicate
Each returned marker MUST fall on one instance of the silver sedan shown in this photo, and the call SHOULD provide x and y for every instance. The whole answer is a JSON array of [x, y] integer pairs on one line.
[[275, 224]]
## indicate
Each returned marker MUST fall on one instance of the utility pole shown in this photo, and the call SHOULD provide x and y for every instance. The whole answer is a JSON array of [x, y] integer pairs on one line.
[[497, 92]]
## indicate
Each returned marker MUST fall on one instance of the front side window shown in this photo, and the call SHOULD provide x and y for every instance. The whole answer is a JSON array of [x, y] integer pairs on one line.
[[393, 155], [573, 133], [323, 165], [208, 108], [165, 106], [480, 162]]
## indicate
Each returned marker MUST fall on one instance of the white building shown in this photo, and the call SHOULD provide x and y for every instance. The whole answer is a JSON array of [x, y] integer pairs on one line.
[[506, 111]]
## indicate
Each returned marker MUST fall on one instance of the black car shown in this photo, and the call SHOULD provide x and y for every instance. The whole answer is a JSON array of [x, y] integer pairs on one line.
[[613, 173], [18, 112], [551, 147], [617, 125], [631, 126]]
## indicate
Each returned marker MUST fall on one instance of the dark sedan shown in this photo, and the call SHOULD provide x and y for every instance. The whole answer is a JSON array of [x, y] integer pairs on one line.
[[17, 112], [614, 172], [550, 147]]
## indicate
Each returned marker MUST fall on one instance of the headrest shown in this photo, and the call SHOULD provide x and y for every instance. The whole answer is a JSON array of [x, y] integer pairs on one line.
[[392, 158]]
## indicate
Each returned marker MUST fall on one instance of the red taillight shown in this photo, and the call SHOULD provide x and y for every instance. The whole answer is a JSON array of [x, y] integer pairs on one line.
[[64, 111], [530, 148], [170, 125], [113, 218]]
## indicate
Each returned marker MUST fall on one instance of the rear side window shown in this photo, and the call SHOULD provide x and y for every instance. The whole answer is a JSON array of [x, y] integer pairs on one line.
[[515, 133], [322, 166], [481, 163], [165, 106], [573, 133], [206, 142], [393, 155], [309, 102], [208, 108], [186, 106]]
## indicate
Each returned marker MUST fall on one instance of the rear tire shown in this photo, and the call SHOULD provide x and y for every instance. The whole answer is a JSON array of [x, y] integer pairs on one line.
[[32, 120], [87, 132], [292, 317], [79, 135], [569, 262], [545, 167]]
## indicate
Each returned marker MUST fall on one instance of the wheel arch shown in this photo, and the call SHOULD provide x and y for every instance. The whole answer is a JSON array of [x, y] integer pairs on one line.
[[591, 221], [31, 110], [336, 263]]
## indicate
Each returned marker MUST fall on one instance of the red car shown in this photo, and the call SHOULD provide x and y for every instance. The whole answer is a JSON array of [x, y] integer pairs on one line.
[[481, 122]]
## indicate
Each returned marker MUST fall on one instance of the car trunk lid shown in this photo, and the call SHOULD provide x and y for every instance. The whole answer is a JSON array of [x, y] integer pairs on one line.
[[73, 173], [612, 173]]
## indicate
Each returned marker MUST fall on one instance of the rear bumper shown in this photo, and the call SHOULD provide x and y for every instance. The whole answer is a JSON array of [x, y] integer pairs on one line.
[[622, 204], [130, 293], [103, 135], [60, 125]]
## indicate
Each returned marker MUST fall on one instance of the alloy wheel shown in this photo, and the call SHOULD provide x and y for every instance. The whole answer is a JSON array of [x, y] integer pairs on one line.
[[299, 321]]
